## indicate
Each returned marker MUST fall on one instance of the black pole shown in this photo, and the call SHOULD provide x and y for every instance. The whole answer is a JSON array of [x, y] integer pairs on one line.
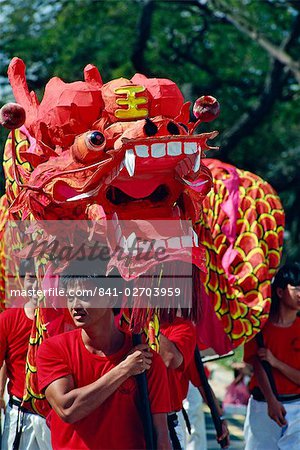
[[209, 397], [266, 365], [145, 404]]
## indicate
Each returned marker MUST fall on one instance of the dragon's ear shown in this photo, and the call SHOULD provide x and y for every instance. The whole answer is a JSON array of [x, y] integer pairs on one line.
[[184, 115]]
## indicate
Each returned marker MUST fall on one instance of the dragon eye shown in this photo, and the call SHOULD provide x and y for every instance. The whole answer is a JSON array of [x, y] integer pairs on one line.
[[95, 140], [150, 128], [184, 126], [89, 147], [173, 128]]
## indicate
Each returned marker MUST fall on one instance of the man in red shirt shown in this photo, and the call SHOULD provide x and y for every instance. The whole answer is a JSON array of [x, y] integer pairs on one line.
[[88, 375], [273, 418], [15, 329], [193, 403], [177, 346]]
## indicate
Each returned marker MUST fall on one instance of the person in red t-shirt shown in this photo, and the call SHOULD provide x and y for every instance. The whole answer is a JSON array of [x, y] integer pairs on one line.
[[15, 329], [88, 376], [237, 392], [192, 385], [273, 422], [177, 346]]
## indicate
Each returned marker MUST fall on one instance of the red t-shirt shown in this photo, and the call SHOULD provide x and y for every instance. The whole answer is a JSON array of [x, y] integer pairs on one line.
[[190, 375], [284, 343], [183, 334], [116, 424], [15, 329]]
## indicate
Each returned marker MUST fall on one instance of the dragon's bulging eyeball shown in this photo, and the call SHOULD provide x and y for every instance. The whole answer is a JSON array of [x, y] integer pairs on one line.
[[89, 147], [95, 140], [12, 116]]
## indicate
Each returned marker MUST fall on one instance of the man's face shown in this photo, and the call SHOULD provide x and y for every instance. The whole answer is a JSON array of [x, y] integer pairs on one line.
[[84, 304], [31, 287]]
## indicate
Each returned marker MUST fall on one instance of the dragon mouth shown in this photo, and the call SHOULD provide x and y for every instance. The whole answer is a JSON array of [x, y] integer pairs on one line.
[[136, 245], [147, 164], [118, 197], [174, 234]]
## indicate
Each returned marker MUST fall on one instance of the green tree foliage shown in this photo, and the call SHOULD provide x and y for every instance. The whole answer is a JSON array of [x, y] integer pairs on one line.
[[244, 52]]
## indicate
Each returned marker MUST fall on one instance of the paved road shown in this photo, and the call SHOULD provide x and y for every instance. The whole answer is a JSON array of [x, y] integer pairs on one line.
[[235, 423]]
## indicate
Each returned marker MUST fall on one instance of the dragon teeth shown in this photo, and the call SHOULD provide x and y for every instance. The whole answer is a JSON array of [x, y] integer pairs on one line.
[[174, 242], [115, 219], [197, 163], [84, 195], [158, 150], [131, 239], [194, 184], [123, 243], [174, 148], [142, 151], [190, 148], [195, 238], [129, 162], [161, 149], [187, 241]]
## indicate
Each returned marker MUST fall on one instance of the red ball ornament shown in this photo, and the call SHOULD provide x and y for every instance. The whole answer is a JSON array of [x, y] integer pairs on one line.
[[206, 108], [12, 116]]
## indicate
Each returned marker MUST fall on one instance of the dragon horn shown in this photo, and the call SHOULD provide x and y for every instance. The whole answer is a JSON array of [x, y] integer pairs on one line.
[[17, 79], [92, 75]]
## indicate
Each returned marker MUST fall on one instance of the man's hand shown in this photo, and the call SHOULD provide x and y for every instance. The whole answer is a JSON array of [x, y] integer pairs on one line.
[[277, 412], [2, 404], [225, 434], [138, 360], [266, 355], [161, 430]]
